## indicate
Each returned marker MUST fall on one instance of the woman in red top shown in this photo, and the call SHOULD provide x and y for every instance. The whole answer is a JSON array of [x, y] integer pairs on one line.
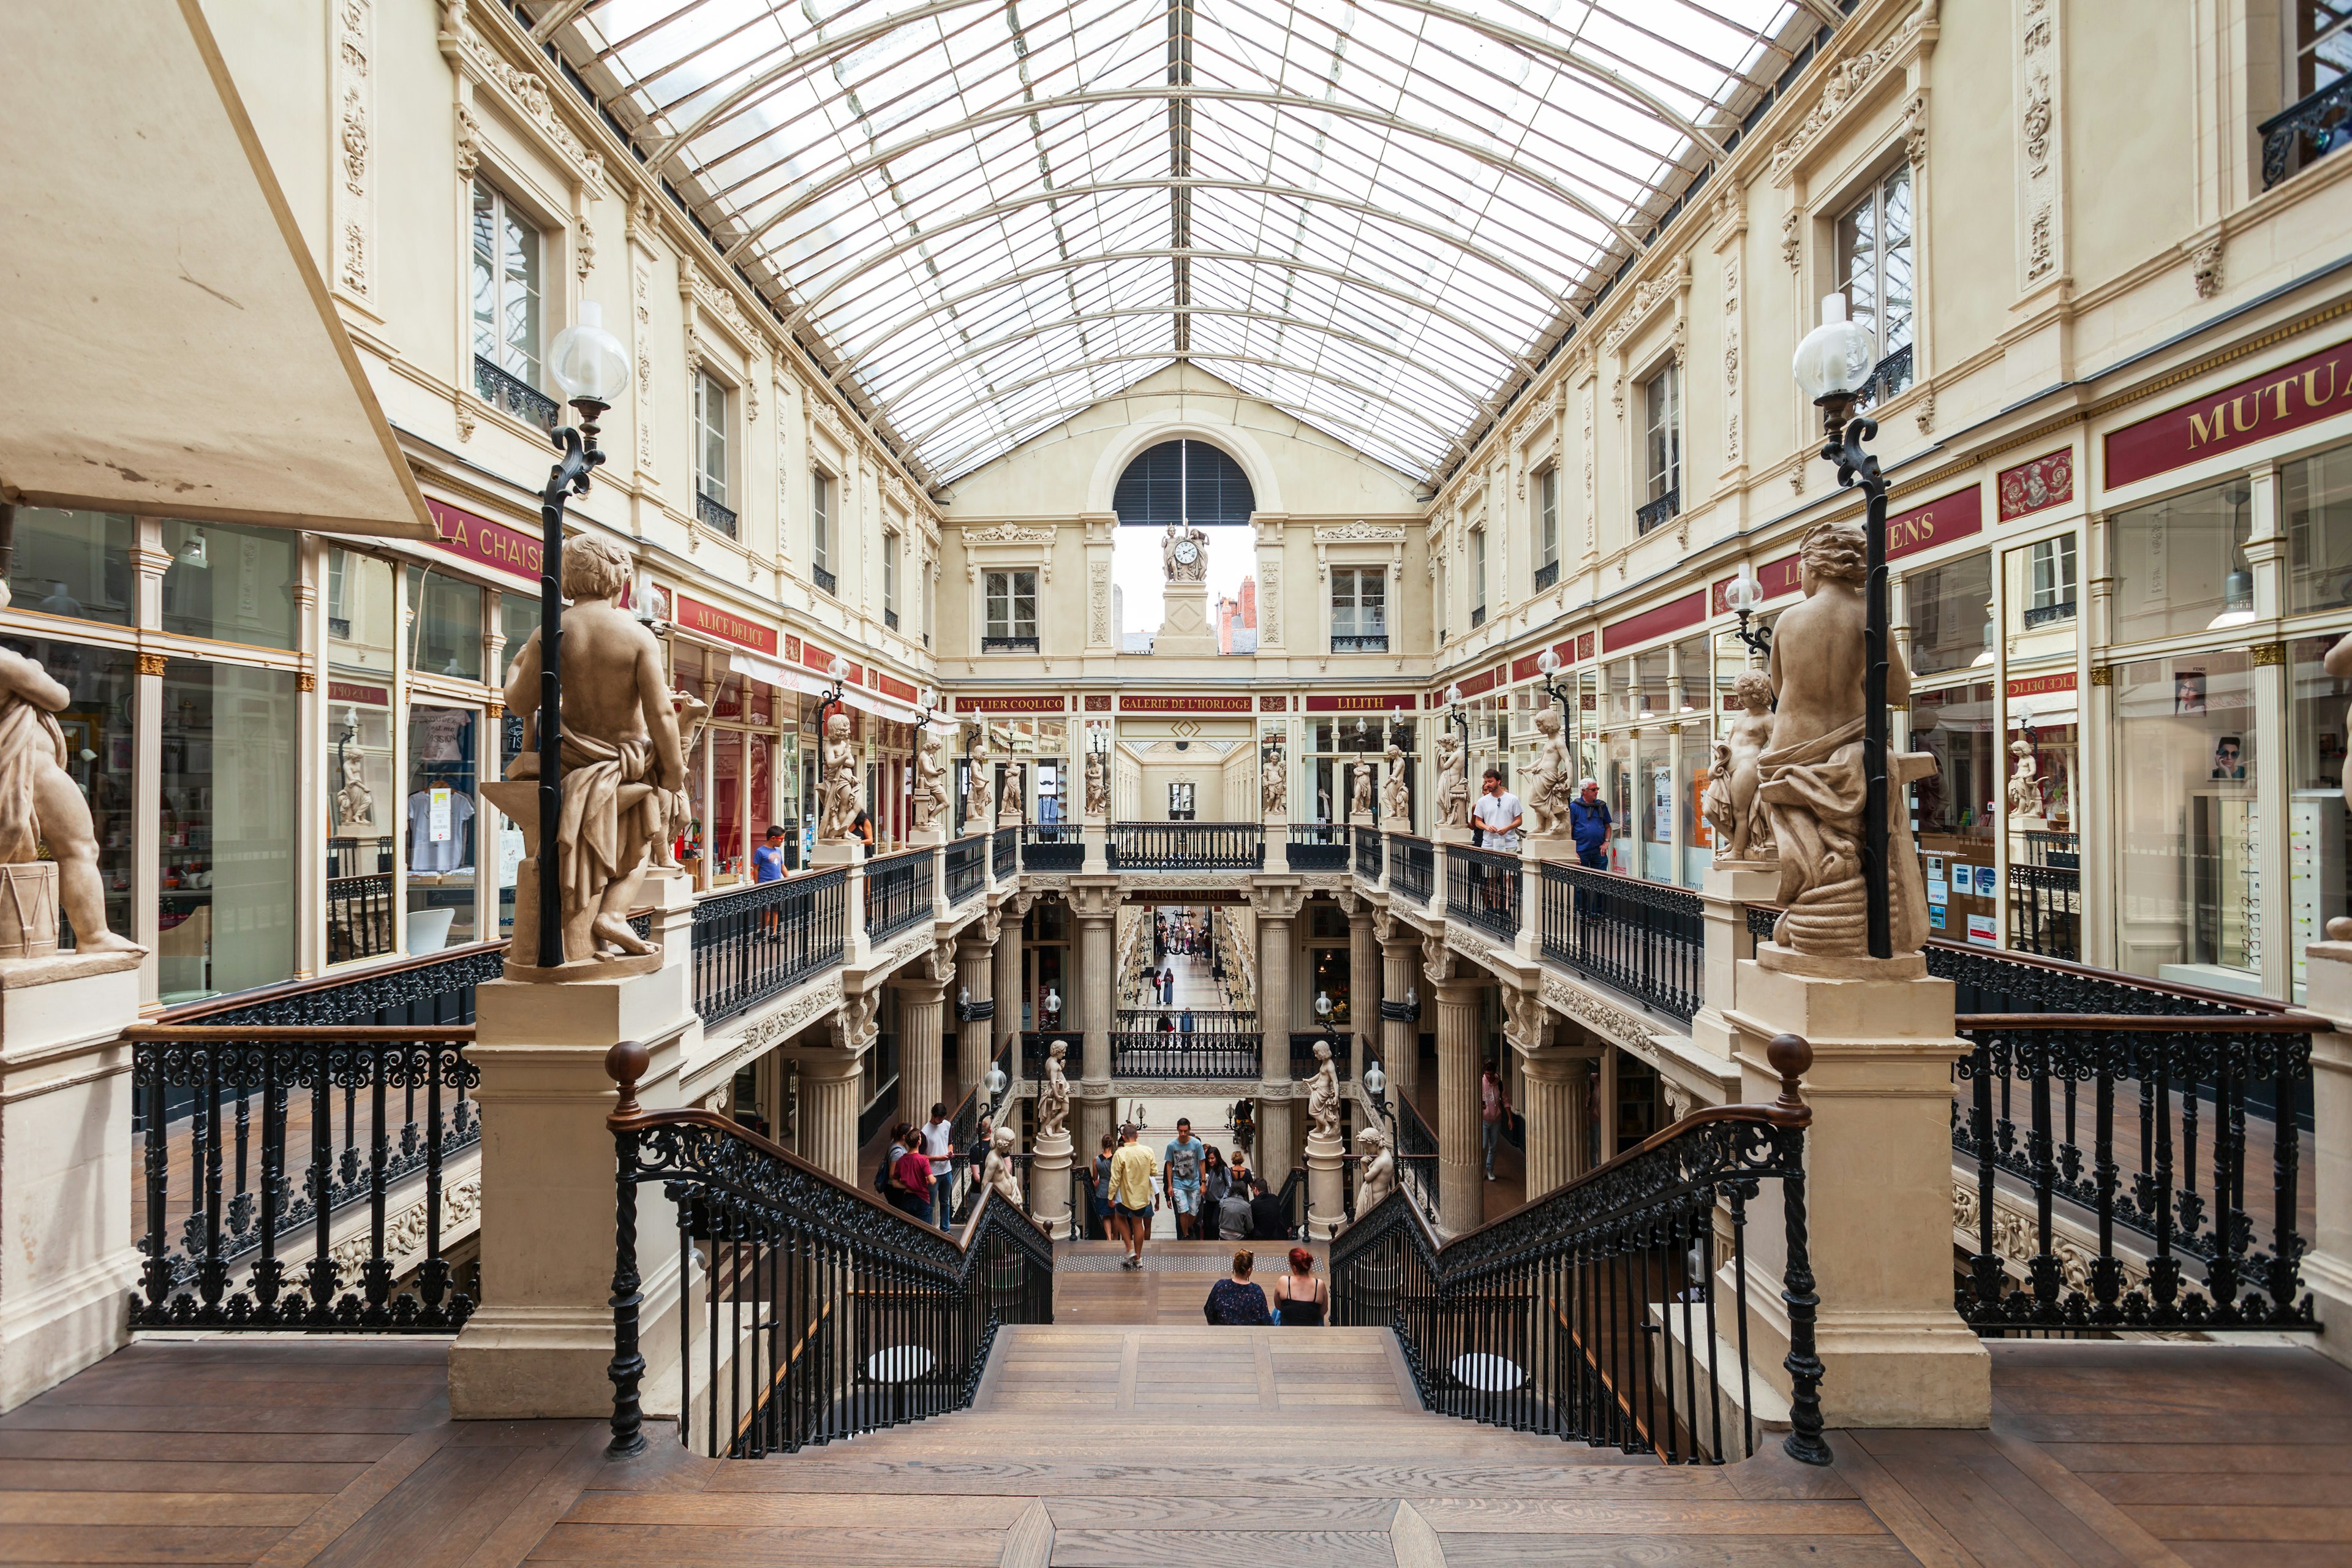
[[910, 1178]]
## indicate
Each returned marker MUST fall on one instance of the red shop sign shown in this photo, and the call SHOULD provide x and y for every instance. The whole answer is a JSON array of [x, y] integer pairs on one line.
[[1947, 518], [1008, 704], [484, 543], [725, 625], [1374, 704], [1778, 579], [1671, 616], [2287, 398]]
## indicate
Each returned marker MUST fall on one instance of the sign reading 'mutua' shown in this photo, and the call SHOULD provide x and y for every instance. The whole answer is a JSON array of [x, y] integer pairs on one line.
[[2304, 392]]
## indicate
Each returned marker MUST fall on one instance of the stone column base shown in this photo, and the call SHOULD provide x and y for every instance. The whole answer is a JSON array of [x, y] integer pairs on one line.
[[1326, 1183], [1049, 1184]]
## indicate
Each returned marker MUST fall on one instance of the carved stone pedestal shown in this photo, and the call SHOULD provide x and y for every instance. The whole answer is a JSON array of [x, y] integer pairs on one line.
[[2327, 1266], [66, 1166], [1326, 1185], [1878, 1162], [1359, 819], [1547, 846], [1049, 1184]]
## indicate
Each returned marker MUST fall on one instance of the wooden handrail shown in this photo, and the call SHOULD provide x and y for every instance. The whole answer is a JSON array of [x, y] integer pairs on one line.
[[2152, 1023], [357, 1034], [191, 1012]]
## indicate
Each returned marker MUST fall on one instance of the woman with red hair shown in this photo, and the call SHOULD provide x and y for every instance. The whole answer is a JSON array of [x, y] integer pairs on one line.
[[1301, 1299]]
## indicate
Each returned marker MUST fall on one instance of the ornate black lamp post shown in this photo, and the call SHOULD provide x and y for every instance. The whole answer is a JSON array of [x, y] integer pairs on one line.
[[592, 371], [1547, 664], [1744, 594], [1832, 365]]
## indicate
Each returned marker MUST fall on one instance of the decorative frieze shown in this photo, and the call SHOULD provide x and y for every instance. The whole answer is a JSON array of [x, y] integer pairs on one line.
[[2038, 76], [1007, 533], [527, 95], [1845, 83], [353, 205]]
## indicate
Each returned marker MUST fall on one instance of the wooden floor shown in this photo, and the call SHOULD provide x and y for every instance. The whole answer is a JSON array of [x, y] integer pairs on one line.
[[1129, 1445]]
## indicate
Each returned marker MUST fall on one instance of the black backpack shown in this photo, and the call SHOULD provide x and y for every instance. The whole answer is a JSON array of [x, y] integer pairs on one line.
[[882, 1174]]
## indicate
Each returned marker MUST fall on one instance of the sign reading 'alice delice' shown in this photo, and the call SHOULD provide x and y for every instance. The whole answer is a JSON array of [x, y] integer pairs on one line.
[[2311, 389]]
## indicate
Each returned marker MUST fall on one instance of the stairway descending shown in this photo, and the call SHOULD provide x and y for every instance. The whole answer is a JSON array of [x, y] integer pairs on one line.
[[1115, 1445]]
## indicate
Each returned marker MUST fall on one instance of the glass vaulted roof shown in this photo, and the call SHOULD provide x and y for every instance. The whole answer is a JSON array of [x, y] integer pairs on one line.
[[985, 216]]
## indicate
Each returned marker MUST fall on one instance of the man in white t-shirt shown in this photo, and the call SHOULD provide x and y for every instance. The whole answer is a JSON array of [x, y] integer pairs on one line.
[[1497, 813], [938, 1142]]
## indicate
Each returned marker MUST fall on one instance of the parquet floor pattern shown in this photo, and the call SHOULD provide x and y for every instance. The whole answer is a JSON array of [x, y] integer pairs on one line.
[[1109, 1444]]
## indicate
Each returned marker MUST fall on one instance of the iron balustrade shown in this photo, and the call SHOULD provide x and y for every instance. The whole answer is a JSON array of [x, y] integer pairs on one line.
[[1613, 1311], [434, 990], [716, 516], [827, 1313], [2046, 910], [1187, 845], [2171, 1078], [1004, 847], [359, 918], [1053, 846], [825, 580], [1659, 512], [509, 393], [2049, 615], [1887, 377], [965, 866], [1319, 847], [755, 944], [2305, 131], [1188, 1020], [898, 893], [1547, 575], [1367, 853], [1482, 886], [1478, 616], [1412, 867], [225, 1237], [1416, 1158], [1302, 1049], [1008, 645], [1219, 1054], [1359, 642], [1644, 939], [890, 619]]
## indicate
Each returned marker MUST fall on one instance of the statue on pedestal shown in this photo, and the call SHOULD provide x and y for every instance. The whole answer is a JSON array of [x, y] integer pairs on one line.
[[2024, 791], [1008, 806], [354, 803], [930, 801], [1743, 830], [1000, 1173], [1053, 1097], [1811, 779], [1274, 787], [1323, 1097], [1379, 1178], [1550, 779], [837, 781], [1397, 804], [1097, 786], [1359, 801], [1453, 780]]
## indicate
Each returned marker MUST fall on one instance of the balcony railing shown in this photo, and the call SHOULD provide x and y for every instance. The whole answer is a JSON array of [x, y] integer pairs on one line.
[[1165, 1054], [1412, 867], [1008, 645], [1367, 853], [1641, 939], [2049, 615], [1416, 1159], [2046, 910], [509, 393], [1319, 847], [1887, 377], [1482, 886], [823, 579], [713, 515], [2307, 130], [1004, 847], [757, 942], [965, 868], [1303, 1065], [890, 619], [1187, 845], [1658, 513], [1053, 846], [1359, 642], [898, 893], [1547, 575], [1478, 616], [359, 917], [1199, 1021]]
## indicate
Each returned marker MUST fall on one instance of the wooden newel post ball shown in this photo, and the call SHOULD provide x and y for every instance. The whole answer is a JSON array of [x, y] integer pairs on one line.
[[625, 1064], [1790, 1054]]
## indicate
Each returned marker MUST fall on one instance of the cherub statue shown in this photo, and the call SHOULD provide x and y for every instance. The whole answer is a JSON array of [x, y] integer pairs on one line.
[[1453, 781], [1361, 796], [1274, 787], [931, 782], [1054, 1096], [1397, 800], [1552, 778], [354, 803], [1323, 1097], [2024, 791], [1379, 1178], [1097, 786], [838, 767], [1750, 834], [1000, 1174]]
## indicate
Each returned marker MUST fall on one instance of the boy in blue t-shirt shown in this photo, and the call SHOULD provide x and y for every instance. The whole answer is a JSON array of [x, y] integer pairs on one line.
[[1182, 1162]]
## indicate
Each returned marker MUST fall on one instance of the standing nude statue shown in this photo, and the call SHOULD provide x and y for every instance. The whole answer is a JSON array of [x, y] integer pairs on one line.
[[1097, 786], [837, 787], [2024, 793], [1359, 801], [1453, 781], [40, 804], [1323, 1097], [1551, 779], [1397, 803], [1001, 1175], [930, 783], [1274, 788], [1054, 1095]]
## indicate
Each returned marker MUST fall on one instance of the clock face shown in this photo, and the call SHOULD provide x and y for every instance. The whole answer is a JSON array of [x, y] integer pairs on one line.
[[1188, 552]]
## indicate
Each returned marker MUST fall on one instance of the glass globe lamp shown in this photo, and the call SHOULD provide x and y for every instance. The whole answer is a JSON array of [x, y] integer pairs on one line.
[[1743, 594], [1548, 661], [1833, 362], [587, 362]]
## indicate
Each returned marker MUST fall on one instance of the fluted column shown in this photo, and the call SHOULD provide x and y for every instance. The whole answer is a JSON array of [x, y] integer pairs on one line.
[[1007, 988], [975, 978], [1558, 1083], [921, 1050], [1096, 912], [1461, 1169], [1277, 1146], [1363, 990], [828, 1124], [1400, 1047]]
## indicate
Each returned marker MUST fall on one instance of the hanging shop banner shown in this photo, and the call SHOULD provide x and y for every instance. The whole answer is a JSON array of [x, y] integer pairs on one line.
[[2287, 398], [1185, 705], [1778, 579], [1941, 520], [484, 543], [710, 621], [1671, 616], [1008, 704]]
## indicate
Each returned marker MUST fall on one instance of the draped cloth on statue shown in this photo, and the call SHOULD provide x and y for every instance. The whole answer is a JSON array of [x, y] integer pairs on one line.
[[611, 813], [1814, 792], [30, 738]]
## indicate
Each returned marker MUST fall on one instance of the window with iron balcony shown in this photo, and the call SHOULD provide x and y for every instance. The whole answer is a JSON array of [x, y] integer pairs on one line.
[[1359, 609], [1012, 612]]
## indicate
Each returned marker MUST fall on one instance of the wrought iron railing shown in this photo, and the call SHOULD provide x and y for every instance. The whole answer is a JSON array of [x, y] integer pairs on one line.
[[751, 944], [826, 1312], [878, 1087], [890, 619], [1053, 847], [1644, 939], [1367, 853], [2307, 130], [1008, 645], [1412, 867], [1482, 887], [2046, 910], [1656, 513], [1318, 846], [230, 1241], [1359, 642], [2199, 1254], [965, 866], [359, 922], [2049, 615], [1218, 1053], [1887, 377], [1188, 846], [1188, 1020], [1613, 1310], [1547, 575], [1478, 616], [898, 892], [509, 393], [1416, 1158], [431, 990], [824, 578], [716, 516], [1004, 848]]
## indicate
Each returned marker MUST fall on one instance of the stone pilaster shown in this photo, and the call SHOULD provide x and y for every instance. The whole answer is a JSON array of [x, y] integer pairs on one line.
[[830, 1082], [1461, 1168], [1276, 908], [975, 979], [1363, 987], [922, 1050], [1400, 1037], [1007, 988], [1096, 907]]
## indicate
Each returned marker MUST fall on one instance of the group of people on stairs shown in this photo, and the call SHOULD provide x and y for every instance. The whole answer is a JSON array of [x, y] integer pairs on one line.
[[1301, 1299]]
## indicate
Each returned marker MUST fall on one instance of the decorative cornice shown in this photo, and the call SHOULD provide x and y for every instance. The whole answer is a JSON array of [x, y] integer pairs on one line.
[[1620, 1027], [787, 1021], [1007, 533], [1647, 297], [1846, 80], [1361, 534]]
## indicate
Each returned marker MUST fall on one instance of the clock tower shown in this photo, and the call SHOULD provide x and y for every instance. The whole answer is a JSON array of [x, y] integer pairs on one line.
[[1184, 628]]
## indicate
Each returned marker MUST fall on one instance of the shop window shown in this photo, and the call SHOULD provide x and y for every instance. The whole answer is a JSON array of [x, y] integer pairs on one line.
[[1012, 612], [230, 583], [1181, 802], [506, 284], [1954, 809], [361, 631], [2189, 823], [100, 727], [1359, 609], [445, 637], [437, 824], [1873, 273], [2319, 881], [74, 564], [1949, 608], [2181, 564], [2316, 510], [224, 912]]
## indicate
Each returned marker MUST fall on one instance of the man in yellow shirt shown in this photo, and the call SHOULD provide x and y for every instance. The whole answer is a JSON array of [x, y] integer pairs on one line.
[[1132, 1199]]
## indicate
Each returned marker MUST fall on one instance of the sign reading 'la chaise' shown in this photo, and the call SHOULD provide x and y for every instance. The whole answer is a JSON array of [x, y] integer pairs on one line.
[[2304, 392], [484, 543]]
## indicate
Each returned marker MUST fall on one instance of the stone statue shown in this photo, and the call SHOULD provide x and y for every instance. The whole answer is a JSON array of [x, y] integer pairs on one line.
[[1453, 780], [1008, 806], [354, 803], [678, 804], [1097, 786], [1184, 556], [1552, 778], [837, 788], [1379, 1177], [1000, 1173], [1398, 799], [1745, 830], [930, 783], [1323, 1097], [41, 806], [1274, 786], [2024, 793], [1811, 779], [1715, 802], [1053, 1097], [622, 757], [1360, 803]]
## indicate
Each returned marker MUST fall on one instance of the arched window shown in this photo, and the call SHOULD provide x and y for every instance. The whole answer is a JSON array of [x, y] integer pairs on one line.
[[1184, 482]]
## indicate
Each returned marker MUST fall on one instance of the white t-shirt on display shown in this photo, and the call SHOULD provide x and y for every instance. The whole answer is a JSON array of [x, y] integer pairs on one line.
[[439, 835]]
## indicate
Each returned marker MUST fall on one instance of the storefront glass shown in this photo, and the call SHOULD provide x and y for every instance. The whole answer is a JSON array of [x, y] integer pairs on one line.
[[1619, 789], [447, 634], [231, 583], [1953, 809], [226, 914], [2319, 882], [1949, 608], [517, 619], [2180, 564], [2315, 512], [1655, 798], [101, 749], [438, 816], [74, 564], [2188, 753]]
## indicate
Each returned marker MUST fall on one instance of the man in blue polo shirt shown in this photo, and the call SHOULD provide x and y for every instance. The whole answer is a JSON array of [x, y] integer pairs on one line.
[[1589, 823]]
